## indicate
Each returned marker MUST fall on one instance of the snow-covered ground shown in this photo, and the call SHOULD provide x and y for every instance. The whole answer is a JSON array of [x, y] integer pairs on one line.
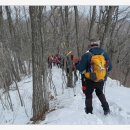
[[19, 115], [67, 109]]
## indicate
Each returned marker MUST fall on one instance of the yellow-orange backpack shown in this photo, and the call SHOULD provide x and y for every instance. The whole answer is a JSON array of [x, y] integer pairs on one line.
[[98, 68]]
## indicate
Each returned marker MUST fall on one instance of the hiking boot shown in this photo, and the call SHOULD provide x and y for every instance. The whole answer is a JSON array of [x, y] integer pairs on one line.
[[106, 112], [87, 111]]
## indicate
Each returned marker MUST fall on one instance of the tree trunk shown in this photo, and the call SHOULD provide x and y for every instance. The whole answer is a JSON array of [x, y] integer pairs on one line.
[[77, 29], [1, 22], [111, 44], [91, 29], [70, 75], [126, 77], [67, 28], [38, 104], [13, 45], [107, 27]]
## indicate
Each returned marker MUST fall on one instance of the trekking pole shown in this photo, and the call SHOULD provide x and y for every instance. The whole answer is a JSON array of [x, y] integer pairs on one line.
[[105, 81], [74, 85], [104, 87], [105, 84], [74, 88]]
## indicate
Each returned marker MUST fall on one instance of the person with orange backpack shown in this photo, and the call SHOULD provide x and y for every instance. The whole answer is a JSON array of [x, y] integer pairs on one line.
[[94, 67]]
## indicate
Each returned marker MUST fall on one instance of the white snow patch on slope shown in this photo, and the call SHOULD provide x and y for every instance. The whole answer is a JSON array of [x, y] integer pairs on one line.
[[65, 108]]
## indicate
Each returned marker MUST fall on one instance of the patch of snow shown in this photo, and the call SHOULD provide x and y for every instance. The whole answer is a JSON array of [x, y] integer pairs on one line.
[[65, 108]]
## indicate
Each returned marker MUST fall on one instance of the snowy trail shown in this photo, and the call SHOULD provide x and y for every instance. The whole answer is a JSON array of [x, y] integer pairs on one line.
[[70, 109], [74, 114]]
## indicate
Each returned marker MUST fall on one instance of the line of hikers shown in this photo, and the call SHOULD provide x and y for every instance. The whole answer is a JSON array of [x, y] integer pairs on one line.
[[67, 63], [54, 60], [62, 61], [94, 67]]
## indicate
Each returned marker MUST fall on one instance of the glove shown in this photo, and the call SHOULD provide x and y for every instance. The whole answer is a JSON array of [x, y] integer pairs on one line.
[[84, 88]]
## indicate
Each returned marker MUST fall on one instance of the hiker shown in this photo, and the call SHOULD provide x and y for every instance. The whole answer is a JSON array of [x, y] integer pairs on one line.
[[62, 65], [94, 67], [70, 61], [58, 60], [75, 60], [50, 60], [54, 60]]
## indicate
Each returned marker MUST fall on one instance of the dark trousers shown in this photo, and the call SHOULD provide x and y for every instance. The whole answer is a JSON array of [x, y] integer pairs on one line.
[[88, 87], [50, 64]]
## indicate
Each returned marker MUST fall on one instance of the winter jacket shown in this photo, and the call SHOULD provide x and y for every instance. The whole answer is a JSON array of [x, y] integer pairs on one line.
[[84, 63]]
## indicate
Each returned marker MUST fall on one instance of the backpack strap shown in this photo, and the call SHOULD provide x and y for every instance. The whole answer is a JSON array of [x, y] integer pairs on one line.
[[91, 54], [102, 54]]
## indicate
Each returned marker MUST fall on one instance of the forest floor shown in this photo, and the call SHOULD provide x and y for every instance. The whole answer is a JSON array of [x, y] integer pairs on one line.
[[65, 108]]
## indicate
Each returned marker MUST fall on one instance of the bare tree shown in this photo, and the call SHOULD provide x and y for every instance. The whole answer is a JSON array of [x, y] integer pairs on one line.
[[1, 21], [14, 46], [77, 29], [92, 21], [39, 103], [68, 60], [110, 10]]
